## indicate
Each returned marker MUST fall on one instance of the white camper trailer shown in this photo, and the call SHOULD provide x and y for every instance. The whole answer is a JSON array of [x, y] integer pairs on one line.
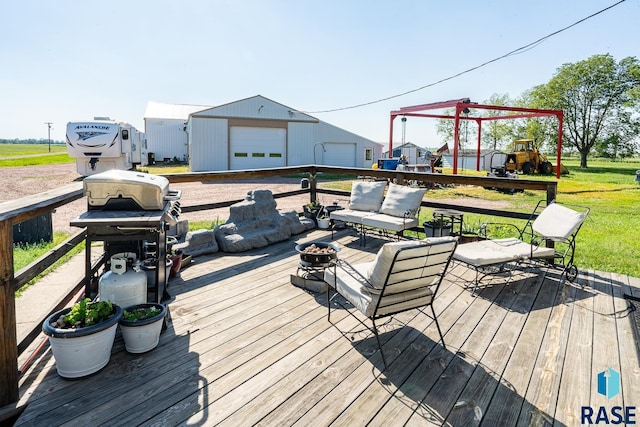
[[103, 144]]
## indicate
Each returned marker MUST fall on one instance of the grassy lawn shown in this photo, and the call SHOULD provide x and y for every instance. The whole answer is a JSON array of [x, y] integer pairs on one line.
[[18, 150], [12, 155], [24, 254]]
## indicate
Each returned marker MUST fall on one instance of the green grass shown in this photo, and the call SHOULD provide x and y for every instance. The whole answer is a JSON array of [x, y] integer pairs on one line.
[[17, 150], [36, 161], [13, 155], [24, 254]]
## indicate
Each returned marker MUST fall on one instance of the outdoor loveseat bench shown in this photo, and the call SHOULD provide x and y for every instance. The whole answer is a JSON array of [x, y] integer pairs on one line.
[[370, 208]]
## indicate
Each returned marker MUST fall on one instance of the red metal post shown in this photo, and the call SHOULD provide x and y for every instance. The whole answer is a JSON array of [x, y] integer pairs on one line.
[[479, 122], [560, 116], [393, 116], [456, 139]]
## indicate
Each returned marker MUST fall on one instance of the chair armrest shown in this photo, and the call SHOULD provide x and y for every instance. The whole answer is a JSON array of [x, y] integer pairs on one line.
[[412, 213], [351, 271]]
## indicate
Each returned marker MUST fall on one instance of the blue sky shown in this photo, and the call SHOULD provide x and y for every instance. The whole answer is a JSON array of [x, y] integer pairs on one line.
[[72, 60]]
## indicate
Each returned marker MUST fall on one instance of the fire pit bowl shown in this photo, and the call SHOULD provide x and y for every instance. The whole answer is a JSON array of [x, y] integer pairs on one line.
[[317, 253]]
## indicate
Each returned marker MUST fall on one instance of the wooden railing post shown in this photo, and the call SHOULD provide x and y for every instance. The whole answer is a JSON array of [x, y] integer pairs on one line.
[[313, 185], [8, 339], [552, 188]]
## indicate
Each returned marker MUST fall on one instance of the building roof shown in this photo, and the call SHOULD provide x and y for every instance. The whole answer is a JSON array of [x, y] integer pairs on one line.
[[160, 110]]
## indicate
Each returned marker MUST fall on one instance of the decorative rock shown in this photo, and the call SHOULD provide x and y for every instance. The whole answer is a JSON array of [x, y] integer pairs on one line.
[[255, 222], [198, 242]]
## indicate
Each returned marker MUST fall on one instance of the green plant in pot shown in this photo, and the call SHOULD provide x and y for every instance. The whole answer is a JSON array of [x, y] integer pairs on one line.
[[82, 336], [311, 210], [141, 326]]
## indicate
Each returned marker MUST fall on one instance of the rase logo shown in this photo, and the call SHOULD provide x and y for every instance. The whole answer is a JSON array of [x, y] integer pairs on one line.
[[608, 382], [609, 385]]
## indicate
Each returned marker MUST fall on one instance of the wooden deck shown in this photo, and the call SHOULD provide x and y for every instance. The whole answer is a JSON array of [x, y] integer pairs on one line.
[[245, 347]]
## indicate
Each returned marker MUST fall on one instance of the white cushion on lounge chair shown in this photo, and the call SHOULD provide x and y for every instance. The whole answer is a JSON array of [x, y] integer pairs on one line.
[[557, 222], [490, 252], [367, 196], [350, 215], [401, 200], [389, 222]]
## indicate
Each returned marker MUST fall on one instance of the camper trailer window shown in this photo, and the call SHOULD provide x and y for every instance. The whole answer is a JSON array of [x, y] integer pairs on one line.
[[125, 134]]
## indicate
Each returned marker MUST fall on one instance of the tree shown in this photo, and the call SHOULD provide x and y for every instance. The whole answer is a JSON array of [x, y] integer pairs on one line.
[[622, 140], [595, 94], [497, 133]]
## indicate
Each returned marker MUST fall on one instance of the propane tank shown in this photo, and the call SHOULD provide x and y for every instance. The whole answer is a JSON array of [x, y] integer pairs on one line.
[[125, 284]]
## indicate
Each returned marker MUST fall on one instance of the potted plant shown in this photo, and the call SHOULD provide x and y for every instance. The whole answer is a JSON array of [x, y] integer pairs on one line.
[[141, 325], [175, 255], [323, 220], [311, 210], [81, 337], [436, 228]]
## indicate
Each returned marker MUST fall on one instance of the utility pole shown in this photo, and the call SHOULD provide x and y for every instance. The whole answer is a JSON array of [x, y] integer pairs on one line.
[[49, 133]]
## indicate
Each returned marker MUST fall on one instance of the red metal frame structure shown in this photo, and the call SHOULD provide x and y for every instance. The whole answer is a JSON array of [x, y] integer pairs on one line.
[[460, 105]]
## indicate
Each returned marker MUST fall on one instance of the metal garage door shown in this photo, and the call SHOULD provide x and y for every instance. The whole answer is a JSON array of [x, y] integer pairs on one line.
[[340, 154], [253, 148]]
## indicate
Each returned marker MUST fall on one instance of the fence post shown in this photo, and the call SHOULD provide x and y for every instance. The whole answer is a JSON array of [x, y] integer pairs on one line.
[[552, 189], [8, 339], [313, 185]]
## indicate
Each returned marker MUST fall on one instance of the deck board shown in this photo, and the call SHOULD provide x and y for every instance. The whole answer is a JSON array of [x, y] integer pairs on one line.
[[245, 347]]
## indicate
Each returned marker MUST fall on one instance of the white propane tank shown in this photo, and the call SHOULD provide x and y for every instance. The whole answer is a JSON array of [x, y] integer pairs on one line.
[[121, 285]]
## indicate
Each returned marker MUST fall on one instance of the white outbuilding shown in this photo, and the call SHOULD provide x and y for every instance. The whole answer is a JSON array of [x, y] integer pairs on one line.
[[165, 129], [259, 133]]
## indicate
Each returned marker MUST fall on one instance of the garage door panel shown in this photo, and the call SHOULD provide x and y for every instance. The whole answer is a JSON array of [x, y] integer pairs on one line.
[[253, 148], [340, 154]]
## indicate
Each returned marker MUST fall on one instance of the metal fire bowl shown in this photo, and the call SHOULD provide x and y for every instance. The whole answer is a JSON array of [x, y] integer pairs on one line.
[[317, 259]]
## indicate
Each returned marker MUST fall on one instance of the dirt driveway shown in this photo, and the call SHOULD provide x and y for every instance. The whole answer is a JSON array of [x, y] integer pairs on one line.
[[19, 182]]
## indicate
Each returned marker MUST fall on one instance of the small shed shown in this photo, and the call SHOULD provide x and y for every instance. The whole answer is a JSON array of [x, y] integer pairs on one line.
[[165, 129], [413, 153], [257, 132]]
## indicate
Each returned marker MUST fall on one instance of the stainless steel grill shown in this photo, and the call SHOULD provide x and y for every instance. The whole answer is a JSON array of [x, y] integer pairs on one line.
[[125, 210]]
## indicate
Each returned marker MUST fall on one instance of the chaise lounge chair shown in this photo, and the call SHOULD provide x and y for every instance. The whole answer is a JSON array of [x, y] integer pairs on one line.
[[549, 236]]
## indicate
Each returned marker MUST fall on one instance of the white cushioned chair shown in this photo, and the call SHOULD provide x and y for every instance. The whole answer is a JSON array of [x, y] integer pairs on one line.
[[405, 275], [554, 223]]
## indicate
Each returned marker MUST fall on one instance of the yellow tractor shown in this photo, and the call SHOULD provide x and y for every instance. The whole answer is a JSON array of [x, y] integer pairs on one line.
[[526, 158]]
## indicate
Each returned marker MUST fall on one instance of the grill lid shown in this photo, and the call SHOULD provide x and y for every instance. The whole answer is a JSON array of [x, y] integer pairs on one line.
[[118, 188]]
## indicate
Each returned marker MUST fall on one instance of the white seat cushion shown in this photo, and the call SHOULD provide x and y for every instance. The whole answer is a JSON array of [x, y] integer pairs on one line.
[[389, 222], [367, 195], [350, 215], [489, 252], [401, 200]]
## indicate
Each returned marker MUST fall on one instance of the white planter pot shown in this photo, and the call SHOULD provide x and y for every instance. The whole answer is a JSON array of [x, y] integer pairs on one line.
[[83, 351], [142, 335], [323, 223]]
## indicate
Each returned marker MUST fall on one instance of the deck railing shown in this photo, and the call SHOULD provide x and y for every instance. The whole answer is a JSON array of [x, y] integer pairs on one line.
[[17, 211]]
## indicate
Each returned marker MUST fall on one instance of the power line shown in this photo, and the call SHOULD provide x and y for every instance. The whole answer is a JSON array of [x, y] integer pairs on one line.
[[519, 50]]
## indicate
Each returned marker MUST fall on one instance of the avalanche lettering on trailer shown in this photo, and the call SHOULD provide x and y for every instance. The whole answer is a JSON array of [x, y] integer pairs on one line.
[[87, 131]]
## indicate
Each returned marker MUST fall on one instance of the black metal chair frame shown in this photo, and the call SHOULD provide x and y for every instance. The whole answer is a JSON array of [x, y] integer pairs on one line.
[[387, 289]]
